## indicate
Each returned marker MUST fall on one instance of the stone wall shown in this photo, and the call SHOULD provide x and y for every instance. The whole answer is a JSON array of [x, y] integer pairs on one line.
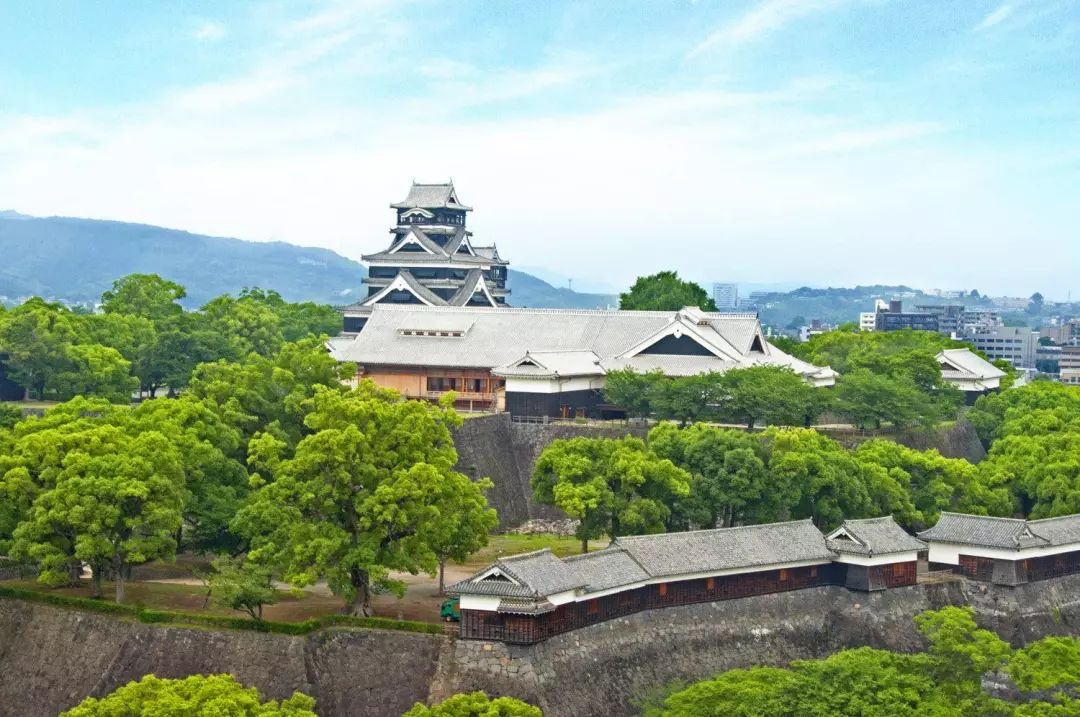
[[506, 452], [52, 658], [494, 447]]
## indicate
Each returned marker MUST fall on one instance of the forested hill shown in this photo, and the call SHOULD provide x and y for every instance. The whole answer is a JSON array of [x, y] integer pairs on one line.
[[74, 260]]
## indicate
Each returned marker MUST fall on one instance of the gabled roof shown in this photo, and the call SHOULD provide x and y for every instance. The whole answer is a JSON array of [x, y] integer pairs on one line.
[[964, 363], [500, 337], [431, 196], [474, 282], [989, 531], [552, 364], [536, 574], [872, 536], [415, 236], [405, 281]]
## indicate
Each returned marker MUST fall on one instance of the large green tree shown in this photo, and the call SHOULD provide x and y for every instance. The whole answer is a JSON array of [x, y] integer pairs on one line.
[[730, 483], [664, 291], [113, 506], [34, 338], [365, 493], [612, 486], [250, 324], [144, 295], [773, 394], [198, 695], [95, 370]]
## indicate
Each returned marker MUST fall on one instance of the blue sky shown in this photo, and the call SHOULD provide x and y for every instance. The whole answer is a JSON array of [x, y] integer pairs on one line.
[[825, 142]]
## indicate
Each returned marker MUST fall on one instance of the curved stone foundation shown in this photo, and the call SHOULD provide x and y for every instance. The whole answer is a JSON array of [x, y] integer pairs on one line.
[[51, 658]]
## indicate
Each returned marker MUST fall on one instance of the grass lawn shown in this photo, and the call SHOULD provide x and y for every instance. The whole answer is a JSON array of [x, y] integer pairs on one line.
[[513, 543], [192, 598]]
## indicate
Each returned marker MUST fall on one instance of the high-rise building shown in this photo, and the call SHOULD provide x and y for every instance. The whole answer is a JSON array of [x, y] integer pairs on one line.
[[1015, 344], [431, 259], [893, 318], [725, 296]]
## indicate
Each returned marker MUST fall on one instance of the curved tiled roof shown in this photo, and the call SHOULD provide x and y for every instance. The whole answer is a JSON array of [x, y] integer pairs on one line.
[[984, 530], [873, 536]]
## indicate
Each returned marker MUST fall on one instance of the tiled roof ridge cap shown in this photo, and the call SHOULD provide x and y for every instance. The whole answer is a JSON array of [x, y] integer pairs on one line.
[[1059, 517], [538, 310], [985, 517], [715, 530], [521, 556]]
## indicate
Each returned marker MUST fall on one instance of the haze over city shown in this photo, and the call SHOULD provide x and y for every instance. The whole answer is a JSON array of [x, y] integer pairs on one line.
[[828, 142]]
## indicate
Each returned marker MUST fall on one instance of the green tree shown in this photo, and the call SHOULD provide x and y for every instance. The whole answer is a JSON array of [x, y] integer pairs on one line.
[[242, 585], [251, 325], [687, 398], [110, 508], [1046, 664], [195, 695], [827, 482], [756, 692], [933, 482], [267, 394], [730, 483], [774, 394], [612, 486], [1035, 305], [35, 337], [144, 295], [869, 399], [363, 494], [634, 392], [215, 480], [664, 291], [476, 704], [10, 414], [961, 651], [95, 370], [466, 521], [300, 320]]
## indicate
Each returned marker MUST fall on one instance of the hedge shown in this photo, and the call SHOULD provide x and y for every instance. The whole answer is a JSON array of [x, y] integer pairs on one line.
[[148, 616]]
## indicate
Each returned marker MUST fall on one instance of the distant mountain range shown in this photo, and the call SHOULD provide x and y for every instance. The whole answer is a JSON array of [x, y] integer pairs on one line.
[[75, 260]]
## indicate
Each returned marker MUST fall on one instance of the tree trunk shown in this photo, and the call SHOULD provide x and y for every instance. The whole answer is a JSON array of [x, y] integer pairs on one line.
[[118, 568], [584, 545], [153, 392], [442, 577], [360, 604], [96, 584], [750, 424]]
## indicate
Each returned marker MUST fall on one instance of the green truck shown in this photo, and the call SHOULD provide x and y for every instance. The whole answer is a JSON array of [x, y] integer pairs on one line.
[[450, 610]]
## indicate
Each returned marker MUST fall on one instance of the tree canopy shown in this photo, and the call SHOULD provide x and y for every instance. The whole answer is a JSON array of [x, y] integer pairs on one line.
[[476, 704], [664, 291], [369, 490], [196, 695]]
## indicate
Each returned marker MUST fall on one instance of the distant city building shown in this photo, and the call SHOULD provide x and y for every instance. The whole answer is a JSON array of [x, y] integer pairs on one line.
[[894, 318], [725, 296], [950, 316], [1048, 360], [948, 293], [1014, 344], [1070, 365], [868, 319], [431, 260], [1065, 334], [817, 326], [1010, 303], [974, 319]]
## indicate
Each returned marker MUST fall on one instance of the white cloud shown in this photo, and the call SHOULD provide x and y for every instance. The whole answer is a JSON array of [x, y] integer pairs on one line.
[[995, 17], [209, 31], [765, 18], [760, 184]]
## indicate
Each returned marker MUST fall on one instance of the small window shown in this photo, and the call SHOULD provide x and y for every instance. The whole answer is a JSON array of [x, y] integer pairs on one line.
[[813, 572], [783, 575], [710, 583], [898, 570], [663, 589], [592, 607]]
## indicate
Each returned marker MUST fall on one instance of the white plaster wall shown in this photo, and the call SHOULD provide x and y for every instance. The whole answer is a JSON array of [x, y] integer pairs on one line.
[[872, 560], [949, 553]]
